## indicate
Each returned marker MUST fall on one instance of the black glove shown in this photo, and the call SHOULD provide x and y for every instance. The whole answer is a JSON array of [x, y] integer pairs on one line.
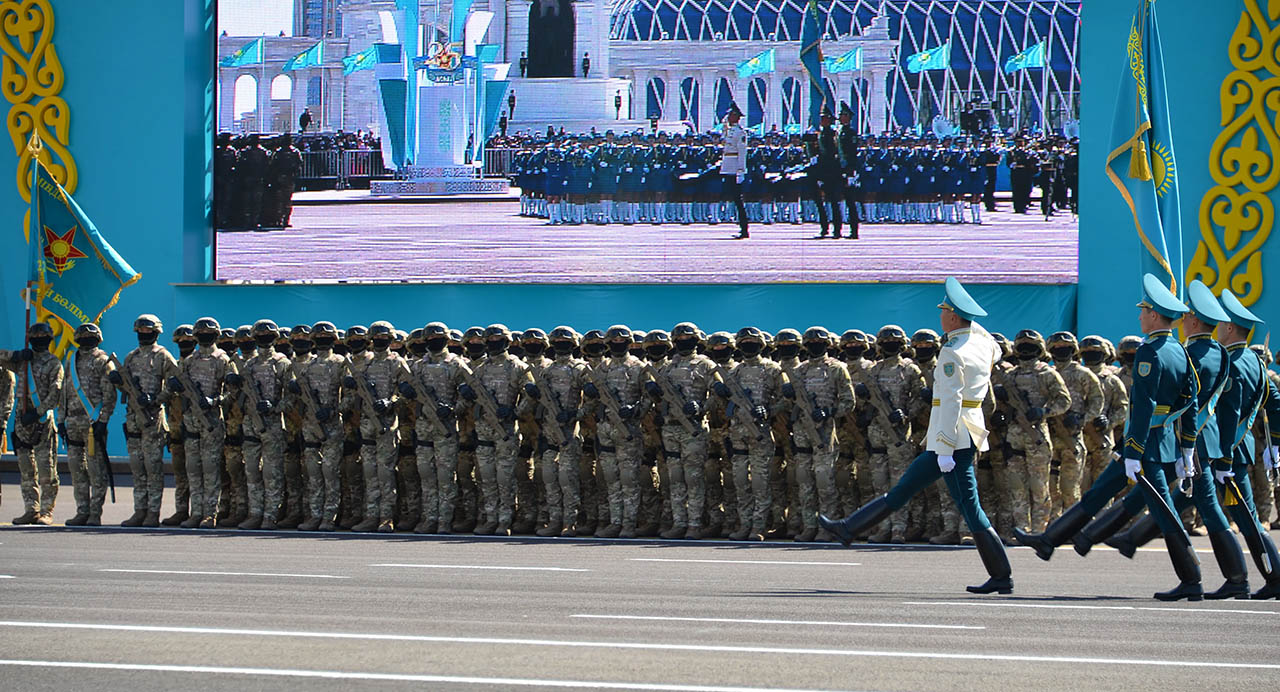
[[407, 390], [999, 420], [864, 418], [861, 389], [564, 417], [206, 403], [759, 412], [926, 394], [349, 382], [820, 414], [24, 356], [294, 387], [722, 390], [444, 411], [897, 415], [730, 409], [627, 412], [467, 392], [381, 405], [506, 413], [99, 430], [175, 385], [589, 390], [658, 420], [1072, 420], [692, 409], [29, 417], [1001, 394], [532, 390], [62, 430], [652, 389], [789, 390], [1035, 414], [146, 400], [324, 413], [114, 378], [264, 406], [234, 379], [1102, 423]]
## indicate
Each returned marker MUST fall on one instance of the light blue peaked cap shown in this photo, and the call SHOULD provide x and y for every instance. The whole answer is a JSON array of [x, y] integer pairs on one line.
[[1158, 297], [960, 302], [1238, 312], [1204, 305]]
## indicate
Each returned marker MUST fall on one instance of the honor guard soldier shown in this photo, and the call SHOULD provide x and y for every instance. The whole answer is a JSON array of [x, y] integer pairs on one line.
[[851, 168], [822, 394], [317, 383], [828, 176], [1165, 386], [88, 399], [557, 389], [733, 165], [262, 393], [146, 429], [201, 381], [372, 383], [33, 431], [957, 433]]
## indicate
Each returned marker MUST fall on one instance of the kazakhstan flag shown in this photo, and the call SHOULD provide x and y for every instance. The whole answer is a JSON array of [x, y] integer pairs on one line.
[[76, 274], [248, 54], [933, 59], [364, 60], [845, 63], [1029, 57], [811, 60], [311, 57], [1141, 163], [760, 64]]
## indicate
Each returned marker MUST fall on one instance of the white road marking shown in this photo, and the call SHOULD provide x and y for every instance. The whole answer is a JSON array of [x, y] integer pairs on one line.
[[7, 576], [748, 562], [224, 574], [1070, 606], [496, 567], [394, 677], [644, 646], [750, 621]]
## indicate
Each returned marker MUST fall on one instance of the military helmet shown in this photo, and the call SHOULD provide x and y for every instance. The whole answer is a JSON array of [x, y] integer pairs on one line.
[[240, 333], [324, 327], [265, 327], [87, 329], [924, 336], [891, 332], [1259, 349], [637, 336], [1129, 344], [618, 332], [473, 333], [517, 336], [148, 322], [593, 336], [342, 335], [1094, 344], [1006, 348], [657, 336], [1063, 340], [685, 329], [455, 335], [382, 328], [719, 339], [563, 333], [205, 325], [749, 334], [816, 333], [534, 334], [786, 336], [1029, 342], [357, 331], [183, 332], [437, 329], [854, 335], [298, 330], [497, 330], [416, 336]]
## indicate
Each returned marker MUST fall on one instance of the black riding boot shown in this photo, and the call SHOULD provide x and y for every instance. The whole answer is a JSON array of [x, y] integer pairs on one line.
[[1059, 531], [991, 550], [1231, 561], [857, 523], [1103, 526], [1143, 531], [1187, 567]]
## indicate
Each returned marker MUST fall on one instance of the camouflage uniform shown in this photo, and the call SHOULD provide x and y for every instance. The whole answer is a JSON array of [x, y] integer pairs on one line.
[[439, 373], [295, 345], [6, 405], [502, 375], [619, 445], [470, 501], [853, 467], [1264, 491], [185, 340], [722, 500], [594, 503], [560, 380], [233, 505], [825, 382], [145, 430], [1067, 430], [322, 429], [379, 375], [353, 345], [655, 504], [531, 501], [262, 379], [784, 519], [88, 400], [1099, 433], [752, 444], [408, 482], [993, 466], [33, 431], [895, 388], [688, 374], [207, 368], [1034, 393]]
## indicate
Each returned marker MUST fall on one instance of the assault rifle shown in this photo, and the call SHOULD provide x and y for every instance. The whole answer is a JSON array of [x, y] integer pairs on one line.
[[487, 402], [674, 401], [612, 408], [427, 400], [548, 398], [742, 404]]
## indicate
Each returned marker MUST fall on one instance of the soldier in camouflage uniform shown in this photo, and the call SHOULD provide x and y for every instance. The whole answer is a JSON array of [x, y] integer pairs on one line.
[[210, 370], [6, 405], [722, 500], [322, 435], [655, 504], [761, 381], [784, 520], [594, 495], [371, 386], [560, 382], [261, 396], [1033, 393], [184, 339], [33, 431], [502, 376], [297, 506], [88, 400], [355, 341], [620, 443], [894, 388], [439, 373], [993, 467], [853, 467], [1264, 492], [408, 512], [470, 498], [145, 431], [821, 385], [1099, 434], [1067, 430], [684, 433], [531, 504]]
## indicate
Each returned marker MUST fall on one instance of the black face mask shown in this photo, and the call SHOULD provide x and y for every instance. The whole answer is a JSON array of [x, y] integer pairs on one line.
[[1092, 357], [246, 348], [656, 351], [1026, 352], [816, 349], [456, 349], [40, 343], [206, 339], [594, 349], [891, 348], [301, 347], [264, 340], [341, 349], [475, 349], [88, 343], [1061, 355], [324, 342], [419, 349], [495, 347], [286, 348], [1126, 359], [147, 338], [534, 348], [381, 344], [751, 348], [563, 348], [358, 346], [619, 348], [788, 351], [925, 352], [855, 352], [185, 348], [686, 346], [437, 344], [721, 355]]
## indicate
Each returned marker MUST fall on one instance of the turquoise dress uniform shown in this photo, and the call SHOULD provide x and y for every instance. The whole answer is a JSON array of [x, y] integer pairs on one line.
[[957, 432], [1165, 386]]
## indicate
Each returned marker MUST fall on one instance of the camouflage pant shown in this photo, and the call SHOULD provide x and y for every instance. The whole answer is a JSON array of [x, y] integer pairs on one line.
[[496, 452], [1069, 458], [1264, 495], [437, 459], [323, 458], [1027, 484], [620, 468], [752, 458], [36, 449], [686, 480], [237, 485], [721, 505], [88, 475], [853, 475], [204, 470], [145, 442], [378, 466], [815, 471], [1094, 462], [264, 470], [469, 504], [990, 472], [181, 486], [294, 483], [408, 484], [352, 491], [888, 463], [560, 480]]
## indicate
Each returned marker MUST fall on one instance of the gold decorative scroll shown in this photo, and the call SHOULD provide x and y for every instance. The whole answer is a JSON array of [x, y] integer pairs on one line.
[[31, 77]]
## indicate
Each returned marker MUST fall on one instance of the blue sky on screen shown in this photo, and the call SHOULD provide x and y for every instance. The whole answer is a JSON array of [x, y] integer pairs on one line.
[[255, 17]]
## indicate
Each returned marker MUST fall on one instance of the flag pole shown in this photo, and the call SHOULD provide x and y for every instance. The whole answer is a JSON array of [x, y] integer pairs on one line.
[[33, 146], [1044, 90]]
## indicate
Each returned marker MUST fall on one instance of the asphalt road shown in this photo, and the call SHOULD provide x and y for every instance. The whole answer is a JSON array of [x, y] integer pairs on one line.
[[222, 610]]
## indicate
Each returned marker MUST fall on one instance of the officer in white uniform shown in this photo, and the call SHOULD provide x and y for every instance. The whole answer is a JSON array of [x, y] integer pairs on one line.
[[733, 165]]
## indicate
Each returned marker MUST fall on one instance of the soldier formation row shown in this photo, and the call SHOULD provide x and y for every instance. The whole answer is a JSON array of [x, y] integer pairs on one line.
[[253, 184], [614, 433]]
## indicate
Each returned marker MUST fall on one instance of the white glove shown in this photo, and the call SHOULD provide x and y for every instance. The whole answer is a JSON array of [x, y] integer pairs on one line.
[[741, 177], [1132, 467], [1185, 465], [946, 463], [1222, 476], [1271, 456]]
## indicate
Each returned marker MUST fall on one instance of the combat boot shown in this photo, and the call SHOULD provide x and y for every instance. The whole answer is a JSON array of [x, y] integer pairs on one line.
[[862, 519], [504, 529], [674, 532], [881, 536], [208, 523], [78, 520], [588, 529], [135, 520], [445, 529], [290, 522], [649, 530], [366, 526], [43, 519], [1059, 531], [386, 526], [568, 531], [756, 533], [268, 524], [1186, 566], [1231, 561], [425, 526], [175, 519], [523, 527], [310, 525], [349, 523], [467, 526], [327, 526], [487, 528], [28, 517], [824, 537], [253, 521], [549, 530], [740, 534], [152, 521], [994, 558], [627, 532], [191, 522], [93, 520], [1104, 526], [709, 532], [951, 538], [610, 531], [807, 535]]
